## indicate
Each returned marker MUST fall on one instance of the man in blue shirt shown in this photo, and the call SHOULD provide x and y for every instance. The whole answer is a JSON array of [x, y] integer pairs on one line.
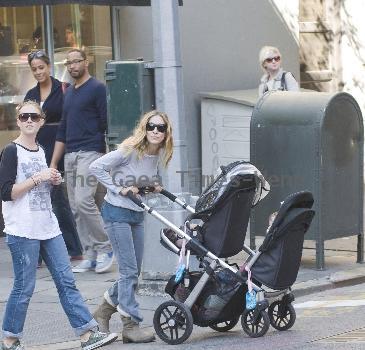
[[81, 136]]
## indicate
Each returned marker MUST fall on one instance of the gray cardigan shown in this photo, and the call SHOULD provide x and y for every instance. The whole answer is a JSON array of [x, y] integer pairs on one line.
[[116, 171]]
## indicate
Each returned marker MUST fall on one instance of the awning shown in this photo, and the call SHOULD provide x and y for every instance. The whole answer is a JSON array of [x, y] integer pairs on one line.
[[14, 3]]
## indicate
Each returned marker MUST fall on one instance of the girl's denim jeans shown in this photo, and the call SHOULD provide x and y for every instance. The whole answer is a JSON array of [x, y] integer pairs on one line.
[[125, 229], [24, 253]]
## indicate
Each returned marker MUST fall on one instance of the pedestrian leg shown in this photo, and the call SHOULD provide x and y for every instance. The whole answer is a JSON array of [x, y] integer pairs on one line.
[[24, 254]]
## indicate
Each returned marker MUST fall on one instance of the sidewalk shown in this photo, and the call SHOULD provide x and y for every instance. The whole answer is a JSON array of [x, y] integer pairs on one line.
[[47, 327]]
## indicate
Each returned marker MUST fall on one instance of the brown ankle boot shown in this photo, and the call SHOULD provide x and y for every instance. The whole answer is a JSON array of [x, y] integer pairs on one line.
[[133, 334], [103, 314]]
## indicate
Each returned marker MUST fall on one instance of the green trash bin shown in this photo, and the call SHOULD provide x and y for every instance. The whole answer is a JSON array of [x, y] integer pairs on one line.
[[311, 141], [130, 93]]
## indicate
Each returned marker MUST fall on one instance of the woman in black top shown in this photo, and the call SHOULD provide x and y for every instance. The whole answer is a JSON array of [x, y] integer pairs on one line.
[[49, 94]]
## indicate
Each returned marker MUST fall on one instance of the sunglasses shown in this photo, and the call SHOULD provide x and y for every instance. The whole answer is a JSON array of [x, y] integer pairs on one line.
[[69, 63], [35, 117], [37, 54], [271, 59], [160, 127]]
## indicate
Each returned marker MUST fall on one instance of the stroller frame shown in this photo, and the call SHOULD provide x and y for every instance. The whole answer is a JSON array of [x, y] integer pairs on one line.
[[254, 322]]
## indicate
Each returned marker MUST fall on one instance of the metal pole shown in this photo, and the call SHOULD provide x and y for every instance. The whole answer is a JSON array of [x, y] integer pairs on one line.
[[115, 28], [158, 262], [49, 42], [169, 86]]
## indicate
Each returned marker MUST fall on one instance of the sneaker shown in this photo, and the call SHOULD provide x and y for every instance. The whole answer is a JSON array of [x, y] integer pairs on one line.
[[84, 266], [15, 346], [104, 262], [98, 339]]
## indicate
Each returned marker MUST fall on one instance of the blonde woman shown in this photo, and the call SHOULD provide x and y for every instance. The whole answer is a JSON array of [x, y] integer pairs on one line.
[[132, 166], [275, 78]]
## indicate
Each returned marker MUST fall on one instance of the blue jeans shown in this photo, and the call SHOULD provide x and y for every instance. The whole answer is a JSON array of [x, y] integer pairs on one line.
[[24, 253], [125, 229], [62, 210]]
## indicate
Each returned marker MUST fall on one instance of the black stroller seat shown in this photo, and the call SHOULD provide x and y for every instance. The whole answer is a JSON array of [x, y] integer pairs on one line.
[[224, 227], [224, 230], [224, 208], [281, 251]]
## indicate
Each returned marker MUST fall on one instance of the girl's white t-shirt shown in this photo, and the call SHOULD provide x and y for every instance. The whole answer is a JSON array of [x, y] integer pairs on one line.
[[31, 215]]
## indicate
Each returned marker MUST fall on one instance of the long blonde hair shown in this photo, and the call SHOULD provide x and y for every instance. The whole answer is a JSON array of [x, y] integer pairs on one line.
[[138, 141]]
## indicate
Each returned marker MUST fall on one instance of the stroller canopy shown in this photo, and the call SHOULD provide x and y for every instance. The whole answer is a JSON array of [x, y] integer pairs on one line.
[[226, 179]]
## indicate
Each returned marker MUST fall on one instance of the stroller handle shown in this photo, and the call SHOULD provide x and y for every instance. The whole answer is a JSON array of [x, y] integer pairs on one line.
[[134, 199], [169, 195], [175, 199]]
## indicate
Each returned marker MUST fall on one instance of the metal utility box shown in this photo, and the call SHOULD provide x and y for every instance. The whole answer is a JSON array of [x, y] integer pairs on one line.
[[225, 125], [311, 141], [130, 93]]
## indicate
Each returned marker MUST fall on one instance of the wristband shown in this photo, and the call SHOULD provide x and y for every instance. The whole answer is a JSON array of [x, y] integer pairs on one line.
[[36, 181], [35, 184]]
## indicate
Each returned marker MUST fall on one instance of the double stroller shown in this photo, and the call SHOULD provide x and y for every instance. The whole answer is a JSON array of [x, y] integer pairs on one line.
[[220, 293]]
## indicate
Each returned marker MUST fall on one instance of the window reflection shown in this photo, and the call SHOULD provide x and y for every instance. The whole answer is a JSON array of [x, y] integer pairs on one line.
[[86, 27], [17, 25], [22, 30]]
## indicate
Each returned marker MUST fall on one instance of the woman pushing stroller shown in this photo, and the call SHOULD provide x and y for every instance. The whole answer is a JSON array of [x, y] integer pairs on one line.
[[133, 165]]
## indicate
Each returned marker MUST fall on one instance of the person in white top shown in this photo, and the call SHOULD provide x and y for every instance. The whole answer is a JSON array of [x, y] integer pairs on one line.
[[31, 229], [275, 78]]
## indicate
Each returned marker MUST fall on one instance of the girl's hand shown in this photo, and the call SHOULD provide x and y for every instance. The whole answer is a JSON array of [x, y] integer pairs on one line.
[[125, 190], [158, 188], [48, 174], [56, 179]]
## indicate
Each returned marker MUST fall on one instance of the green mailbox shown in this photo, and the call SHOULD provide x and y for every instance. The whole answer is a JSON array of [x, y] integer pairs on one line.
[[130, 93], [311, 141]]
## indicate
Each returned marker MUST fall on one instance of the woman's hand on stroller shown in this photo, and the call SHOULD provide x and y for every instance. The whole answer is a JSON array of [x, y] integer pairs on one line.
[[125, 190], [158, 187], [155, 188]]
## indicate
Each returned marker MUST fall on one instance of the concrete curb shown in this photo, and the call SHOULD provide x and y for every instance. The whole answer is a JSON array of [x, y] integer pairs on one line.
[[335, 280], [155, 288]]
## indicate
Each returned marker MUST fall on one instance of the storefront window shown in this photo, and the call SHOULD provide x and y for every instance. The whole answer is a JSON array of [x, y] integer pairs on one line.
[[83, 26], [17, 38], [22, 30]]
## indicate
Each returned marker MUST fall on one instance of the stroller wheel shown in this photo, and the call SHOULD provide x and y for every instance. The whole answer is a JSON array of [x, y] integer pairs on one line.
[[256, 328], [282, 316], [173, 322], [226, 325]]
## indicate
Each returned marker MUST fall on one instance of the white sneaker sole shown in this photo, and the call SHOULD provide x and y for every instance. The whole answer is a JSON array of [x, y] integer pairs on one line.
[[105, 268], [109, 339], [76, 270]]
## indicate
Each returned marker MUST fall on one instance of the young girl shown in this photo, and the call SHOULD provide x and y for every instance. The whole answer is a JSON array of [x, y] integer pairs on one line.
[[133, 165], [32, 229]]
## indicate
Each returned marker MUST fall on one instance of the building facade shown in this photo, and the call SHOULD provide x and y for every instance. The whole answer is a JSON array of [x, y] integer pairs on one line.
[[321, 43], [27, 28]]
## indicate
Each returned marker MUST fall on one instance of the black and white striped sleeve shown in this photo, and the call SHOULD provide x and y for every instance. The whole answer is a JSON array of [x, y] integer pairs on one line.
[[8, 171]]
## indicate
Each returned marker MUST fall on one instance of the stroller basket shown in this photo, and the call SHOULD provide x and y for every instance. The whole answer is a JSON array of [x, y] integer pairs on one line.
[[222, 298]]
